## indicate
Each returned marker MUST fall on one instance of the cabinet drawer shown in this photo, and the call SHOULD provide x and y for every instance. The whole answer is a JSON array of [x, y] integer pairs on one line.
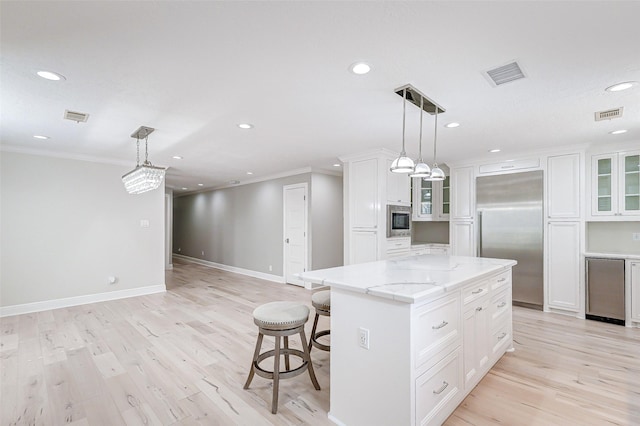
[[500, 339], [500, 307], [500, 281], [437, 326], [398, 244], [474, 291], [438, 388]]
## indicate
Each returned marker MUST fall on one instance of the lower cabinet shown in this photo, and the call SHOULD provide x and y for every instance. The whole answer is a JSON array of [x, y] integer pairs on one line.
[[438, 389], [462, 238], [476, 332], [364, 246], [635, 292], [563, 265]]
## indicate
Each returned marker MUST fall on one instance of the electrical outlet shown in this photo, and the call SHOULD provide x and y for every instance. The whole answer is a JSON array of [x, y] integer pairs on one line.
[[635, 236], [203, 252], [363, 337]]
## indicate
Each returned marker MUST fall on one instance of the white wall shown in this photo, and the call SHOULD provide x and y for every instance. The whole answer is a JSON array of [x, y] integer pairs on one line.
[[67, 226], [326, 214]]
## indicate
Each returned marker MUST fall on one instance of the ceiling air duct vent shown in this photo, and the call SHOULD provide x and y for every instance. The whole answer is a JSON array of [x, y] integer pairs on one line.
[[609, 114], [505, 74], [79, 117]]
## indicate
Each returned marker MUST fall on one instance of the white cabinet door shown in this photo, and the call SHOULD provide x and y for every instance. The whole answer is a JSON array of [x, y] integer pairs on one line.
[[364, 246], [635, 291], [563, 248], [363, 193], [462, 187], [462, 239], [444, 198], [563, 186], [398, 187], [604, 185], [423, 200], [629, 184], [476, 343]]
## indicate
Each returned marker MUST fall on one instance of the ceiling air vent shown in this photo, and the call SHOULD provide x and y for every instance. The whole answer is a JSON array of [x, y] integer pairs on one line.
[[79, 117], [505, 74], [609, 114]]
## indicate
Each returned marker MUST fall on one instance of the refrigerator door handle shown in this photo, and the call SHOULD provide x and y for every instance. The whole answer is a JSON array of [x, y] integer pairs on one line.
[[479, 254]]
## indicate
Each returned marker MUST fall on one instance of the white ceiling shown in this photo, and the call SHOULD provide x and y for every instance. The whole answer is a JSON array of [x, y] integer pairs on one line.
[[194, 70]]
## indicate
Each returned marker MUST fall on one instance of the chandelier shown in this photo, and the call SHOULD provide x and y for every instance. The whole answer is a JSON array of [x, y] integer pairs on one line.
[[145, 177]]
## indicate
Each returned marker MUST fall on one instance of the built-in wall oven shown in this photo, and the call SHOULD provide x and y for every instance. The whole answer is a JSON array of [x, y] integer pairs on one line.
[[398, 221]]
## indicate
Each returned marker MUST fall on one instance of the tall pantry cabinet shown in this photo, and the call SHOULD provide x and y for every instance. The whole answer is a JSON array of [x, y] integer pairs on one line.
[[368, 187]]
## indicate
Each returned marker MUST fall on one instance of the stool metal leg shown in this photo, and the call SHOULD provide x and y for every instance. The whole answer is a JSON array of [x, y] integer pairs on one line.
[[255, 358], [276, 376], [307, 355]]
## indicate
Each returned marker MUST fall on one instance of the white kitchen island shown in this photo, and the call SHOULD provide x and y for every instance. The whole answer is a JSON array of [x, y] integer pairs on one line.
[[434, 326]]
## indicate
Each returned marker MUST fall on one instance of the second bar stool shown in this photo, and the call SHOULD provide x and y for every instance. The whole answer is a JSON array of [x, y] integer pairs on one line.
[[320, 300]]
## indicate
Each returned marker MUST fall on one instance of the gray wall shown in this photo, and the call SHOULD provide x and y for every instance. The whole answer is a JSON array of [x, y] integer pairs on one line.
[[68, 225], [430, 232], [612, 237], [326, 221], [241, 226]]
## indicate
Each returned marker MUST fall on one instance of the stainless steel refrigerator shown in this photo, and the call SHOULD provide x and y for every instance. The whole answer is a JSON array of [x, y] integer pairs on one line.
[[510, 226]]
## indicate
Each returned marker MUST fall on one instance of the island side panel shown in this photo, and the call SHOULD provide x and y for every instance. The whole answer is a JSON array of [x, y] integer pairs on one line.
[[370, 386]]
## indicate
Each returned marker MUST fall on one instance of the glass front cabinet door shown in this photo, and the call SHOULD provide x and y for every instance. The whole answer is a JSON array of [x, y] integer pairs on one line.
[[616, 184], [431, 200]]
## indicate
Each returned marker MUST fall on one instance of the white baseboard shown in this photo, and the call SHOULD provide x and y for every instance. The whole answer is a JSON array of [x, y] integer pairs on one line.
[[248, 272], [45, 305]]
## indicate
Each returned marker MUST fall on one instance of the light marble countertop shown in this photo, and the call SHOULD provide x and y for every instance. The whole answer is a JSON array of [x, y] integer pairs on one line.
[[408, 279]]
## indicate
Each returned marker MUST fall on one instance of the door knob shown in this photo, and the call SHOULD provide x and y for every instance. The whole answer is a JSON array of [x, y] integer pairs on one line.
[[286, 241]]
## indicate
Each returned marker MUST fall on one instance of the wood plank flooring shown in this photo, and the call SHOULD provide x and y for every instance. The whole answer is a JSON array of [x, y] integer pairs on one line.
[[181, 358]]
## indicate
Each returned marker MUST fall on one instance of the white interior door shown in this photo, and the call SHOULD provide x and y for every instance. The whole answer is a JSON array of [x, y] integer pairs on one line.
[[295, 232]]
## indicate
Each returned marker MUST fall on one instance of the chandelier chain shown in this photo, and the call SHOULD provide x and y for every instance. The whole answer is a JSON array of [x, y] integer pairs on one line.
[[146, 149], [137, 152]]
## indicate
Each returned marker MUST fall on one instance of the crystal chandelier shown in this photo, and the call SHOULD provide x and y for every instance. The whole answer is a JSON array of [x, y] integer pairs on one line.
[[145, 177]]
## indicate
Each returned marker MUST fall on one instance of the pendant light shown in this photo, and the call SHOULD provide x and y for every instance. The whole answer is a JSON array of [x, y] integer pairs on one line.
[[436, 172], [421, 168], [145, 177], [403, 164]]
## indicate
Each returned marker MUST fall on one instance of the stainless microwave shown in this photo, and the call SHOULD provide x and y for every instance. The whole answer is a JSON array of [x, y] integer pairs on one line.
[[398, 221]]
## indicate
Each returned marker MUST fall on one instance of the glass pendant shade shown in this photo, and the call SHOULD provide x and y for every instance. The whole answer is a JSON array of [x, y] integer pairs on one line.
[[143, 178], [436, 173], [402, 164], [421, 169]]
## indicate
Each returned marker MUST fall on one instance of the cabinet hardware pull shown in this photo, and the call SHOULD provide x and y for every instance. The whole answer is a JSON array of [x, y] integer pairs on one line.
[[479, 308], [502, 279], [502, 305], [502, 336], [442, 388], [439, 326], [478, 291]]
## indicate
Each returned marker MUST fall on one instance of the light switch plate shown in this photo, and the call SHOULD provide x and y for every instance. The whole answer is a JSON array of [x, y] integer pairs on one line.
[[144, 223], [635, 236]]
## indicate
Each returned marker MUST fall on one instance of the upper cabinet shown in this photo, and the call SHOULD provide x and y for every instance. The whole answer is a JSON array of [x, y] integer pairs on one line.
[[463, 185], [615, 185], [398, 187], [431, 200], [563, 186]]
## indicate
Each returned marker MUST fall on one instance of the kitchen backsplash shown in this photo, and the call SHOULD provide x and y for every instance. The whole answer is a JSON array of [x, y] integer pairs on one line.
[[430, 232], [613, 237]]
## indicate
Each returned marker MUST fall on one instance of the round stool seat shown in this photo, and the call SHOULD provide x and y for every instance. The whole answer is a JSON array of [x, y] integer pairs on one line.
[[321, 300], [280, 315]]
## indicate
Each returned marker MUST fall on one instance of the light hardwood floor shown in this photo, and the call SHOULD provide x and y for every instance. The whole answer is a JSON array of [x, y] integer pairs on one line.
[[181, 358]]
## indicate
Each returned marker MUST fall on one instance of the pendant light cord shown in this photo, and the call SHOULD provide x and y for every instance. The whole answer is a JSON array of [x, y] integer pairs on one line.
[[420, 142], [435, 138], [404, 114]]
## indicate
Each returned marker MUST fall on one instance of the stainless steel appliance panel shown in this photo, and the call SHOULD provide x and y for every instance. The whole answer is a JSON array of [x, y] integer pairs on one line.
[[510, 226], [605, 289]]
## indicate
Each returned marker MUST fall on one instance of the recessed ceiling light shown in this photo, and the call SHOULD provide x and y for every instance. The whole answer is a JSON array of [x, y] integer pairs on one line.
[[621, 86], [360, 68], [618, 132], [50, 75], [245, 126], [184, 189], [494, 150], [40, 137], [452, 125], [177, 157], [336, 165], [201, 184], [249, 173]]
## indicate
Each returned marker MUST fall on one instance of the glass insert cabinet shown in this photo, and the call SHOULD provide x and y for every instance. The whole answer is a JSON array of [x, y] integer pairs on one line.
[[431, 200], [616, 184]]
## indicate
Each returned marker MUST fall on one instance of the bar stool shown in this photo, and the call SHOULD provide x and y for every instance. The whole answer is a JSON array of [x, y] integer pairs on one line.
[[320, 300], [281, 319]]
